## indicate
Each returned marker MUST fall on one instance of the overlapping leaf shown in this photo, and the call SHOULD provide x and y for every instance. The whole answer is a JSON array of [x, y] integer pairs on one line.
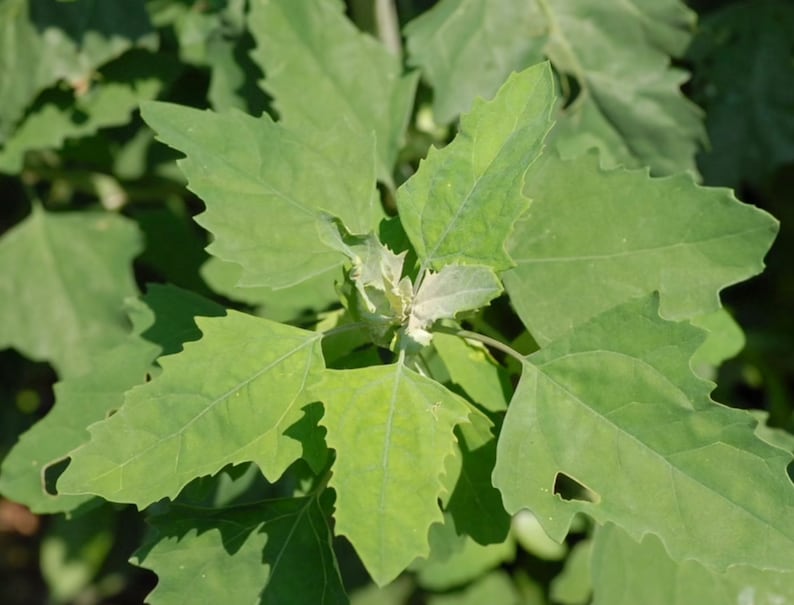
[[628, 103], [463, 201], [593, 239], [626, 572], [93, 396], [392, 430], [44, 42], [65, 278], [273, 552], [321, 70], [614, 410], [227, 398], [263, 186]]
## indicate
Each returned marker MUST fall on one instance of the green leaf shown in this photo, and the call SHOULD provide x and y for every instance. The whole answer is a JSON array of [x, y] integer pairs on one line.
[[626, 572], [263, 186], [742, 78], [219, 554], [321, 70], [594, 239], [725, 340], [454, 289], [629, 105], [65, 277], [44, 42], [391, 429], [463, 201], [165, 318], [456, 560], [573, 585], [627, 101], [227, 398], [496, 587], [467, 48], [611, 421], [472, 368], [64, 115]]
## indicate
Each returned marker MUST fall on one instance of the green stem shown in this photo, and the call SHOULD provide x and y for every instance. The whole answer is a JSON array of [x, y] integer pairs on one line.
[[344, 328], [486, 340]]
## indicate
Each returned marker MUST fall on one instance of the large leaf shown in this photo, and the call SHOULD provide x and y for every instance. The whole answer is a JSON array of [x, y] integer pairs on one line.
[[93, 396], [464, 199], [225, 399], [743, 79], [321, 70], [467, 48], [263, 186], [593, 239], [44, 42], [391, 429], [219, 554], [626, 573], [628, 103], [65, 277], [611, 421]]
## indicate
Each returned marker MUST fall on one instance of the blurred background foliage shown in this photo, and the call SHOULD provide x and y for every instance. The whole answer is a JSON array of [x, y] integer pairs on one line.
[[73, 74]]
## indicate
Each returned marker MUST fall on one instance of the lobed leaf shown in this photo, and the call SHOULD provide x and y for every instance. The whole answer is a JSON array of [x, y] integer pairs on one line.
[[227, 398], [626, 572], [65, 307], [614, 411], [219, 553], [321, 70], [463, 201], [263, 186], [391, 429], [594, 239]]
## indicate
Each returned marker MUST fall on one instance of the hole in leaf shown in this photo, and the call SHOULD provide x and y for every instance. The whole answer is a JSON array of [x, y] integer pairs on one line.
[[569, 488], [52, 473], [790, 471]]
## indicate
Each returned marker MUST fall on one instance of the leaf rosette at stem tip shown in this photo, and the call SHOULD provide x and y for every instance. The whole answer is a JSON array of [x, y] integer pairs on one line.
[[397, 311]]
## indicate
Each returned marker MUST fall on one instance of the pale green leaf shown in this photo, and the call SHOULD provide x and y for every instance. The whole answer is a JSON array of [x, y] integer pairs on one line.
[[496, 587], [108, 102], [467, 48], [626, 573], [307, 297], [452, 290], [627, 102], [456, 560], [165, 318], [391, 429], [464, 199], [614, 410], [396, 593], [65, 277], [472, 368], [593, 239], [269, 553], [263, 186], [725, 340], [573, 585], [44, 42], [321, 70], [197, 415]]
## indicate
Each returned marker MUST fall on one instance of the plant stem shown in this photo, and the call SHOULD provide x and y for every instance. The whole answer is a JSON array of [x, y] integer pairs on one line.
[[486, 340], [344, 328]]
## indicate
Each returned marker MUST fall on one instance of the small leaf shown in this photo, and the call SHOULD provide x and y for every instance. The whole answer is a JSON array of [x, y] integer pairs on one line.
[[464, 199], [321, 70], [594, 239], [573, 585], [66, 306], [264, 185], [227, 398], [454, 289], [615, 411], [391, 429]]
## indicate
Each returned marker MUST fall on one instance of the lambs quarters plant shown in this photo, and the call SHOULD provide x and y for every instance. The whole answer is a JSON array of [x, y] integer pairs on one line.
[[407, 413]]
